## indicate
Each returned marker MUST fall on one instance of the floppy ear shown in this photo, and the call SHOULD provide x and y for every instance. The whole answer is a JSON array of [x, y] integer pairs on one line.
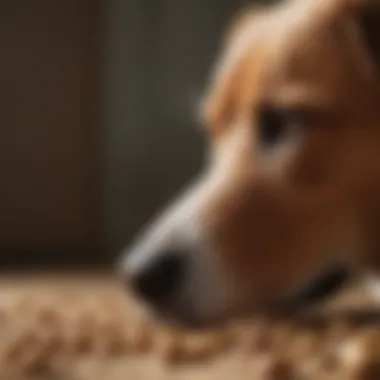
[[218, 104]]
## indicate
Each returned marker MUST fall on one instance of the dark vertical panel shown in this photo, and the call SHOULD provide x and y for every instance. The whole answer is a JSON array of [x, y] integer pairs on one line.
[[128, 116], [48, 200]]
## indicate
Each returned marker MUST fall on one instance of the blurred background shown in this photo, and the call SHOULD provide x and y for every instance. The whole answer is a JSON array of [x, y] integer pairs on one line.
[[98, 120], [98, 131]]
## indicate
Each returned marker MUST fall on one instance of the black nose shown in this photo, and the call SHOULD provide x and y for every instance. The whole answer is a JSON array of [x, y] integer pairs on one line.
[[160, 277]]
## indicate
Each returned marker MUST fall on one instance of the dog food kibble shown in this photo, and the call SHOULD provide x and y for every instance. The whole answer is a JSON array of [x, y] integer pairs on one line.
[[170, 346], [113, 338], [256, 339], [48, 317], [303, 346], [338, 331], [23, 340], [277, 369], [28, 353], [309, 368], [330, 361], [283, 338], [203, 347], [35, 362], [51, 339], [85, 334], [267, 348], [141, 337], [361, 355]]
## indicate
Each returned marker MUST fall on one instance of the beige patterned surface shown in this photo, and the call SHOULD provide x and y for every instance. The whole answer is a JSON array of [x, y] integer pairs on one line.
[[87, 328]]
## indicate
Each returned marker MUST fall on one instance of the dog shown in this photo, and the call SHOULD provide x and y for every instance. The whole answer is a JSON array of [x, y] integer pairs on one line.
[[290, 194]]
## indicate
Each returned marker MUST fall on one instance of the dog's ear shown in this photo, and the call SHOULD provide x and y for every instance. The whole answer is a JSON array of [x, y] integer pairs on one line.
[[218, 103], [241, 19]]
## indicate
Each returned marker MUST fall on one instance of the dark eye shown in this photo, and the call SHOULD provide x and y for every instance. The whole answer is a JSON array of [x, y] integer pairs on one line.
[[274, 123]]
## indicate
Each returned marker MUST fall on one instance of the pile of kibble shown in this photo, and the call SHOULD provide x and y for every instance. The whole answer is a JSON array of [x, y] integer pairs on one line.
[[42, 334]]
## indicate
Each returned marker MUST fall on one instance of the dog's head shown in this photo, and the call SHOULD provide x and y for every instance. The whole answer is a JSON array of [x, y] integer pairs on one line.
[[292, 185]]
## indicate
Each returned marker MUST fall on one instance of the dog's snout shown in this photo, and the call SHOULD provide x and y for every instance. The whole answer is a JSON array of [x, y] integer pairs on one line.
[[159, 277]]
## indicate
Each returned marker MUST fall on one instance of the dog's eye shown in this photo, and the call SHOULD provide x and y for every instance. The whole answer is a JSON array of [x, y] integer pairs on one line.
[[274, 123]]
